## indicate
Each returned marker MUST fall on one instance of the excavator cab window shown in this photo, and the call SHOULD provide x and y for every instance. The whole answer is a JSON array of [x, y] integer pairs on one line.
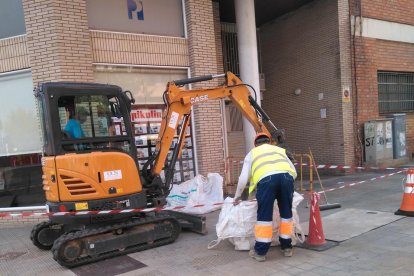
[[88, 122]]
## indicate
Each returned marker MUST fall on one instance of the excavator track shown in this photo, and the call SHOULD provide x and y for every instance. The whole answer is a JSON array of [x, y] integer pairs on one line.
[[44, 234], [94, 244]]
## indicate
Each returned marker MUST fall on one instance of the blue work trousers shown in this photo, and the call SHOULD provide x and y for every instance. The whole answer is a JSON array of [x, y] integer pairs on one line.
[[277, 186]]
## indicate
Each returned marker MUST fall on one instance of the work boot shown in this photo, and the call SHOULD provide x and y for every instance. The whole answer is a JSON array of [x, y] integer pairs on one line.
[[287, 252], [254, 255]]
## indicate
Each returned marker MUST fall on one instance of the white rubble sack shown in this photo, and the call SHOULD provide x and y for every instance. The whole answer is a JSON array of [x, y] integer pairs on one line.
[[236, 223], [199, 195]]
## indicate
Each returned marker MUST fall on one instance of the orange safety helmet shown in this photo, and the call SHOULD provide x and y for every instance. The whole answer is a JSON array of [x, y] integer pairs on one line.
[[260, 137]]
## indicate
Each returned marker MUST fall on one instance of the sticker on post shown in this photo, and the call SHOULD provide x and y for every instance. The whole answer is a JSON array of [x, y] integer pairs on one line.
[[112, 175], [173, 120]]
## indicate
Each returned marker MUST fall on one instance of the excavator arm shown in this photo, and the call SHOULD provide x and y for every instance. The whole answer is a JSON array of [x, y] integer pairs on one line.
[[178, 113]]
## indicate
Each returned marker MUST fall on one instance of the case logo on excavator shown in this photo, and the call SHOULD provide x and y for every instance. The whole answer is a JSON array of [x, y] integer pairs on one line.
[[199, 99]]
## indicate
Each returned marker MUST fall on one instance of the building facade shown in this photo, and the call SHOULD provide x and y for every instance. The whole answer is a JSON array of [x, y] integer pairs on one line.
[[383, 65], [138, 45], [333, 66]]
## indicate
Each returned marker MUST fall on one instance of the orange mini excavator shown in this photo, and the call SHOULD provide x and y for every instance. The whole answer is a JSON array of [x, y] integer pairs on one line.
[[90, 164]]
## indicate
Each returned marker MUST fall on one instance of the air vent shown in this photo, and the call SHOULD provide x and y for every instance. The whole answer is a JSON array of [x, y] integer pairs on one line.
[[77, 186]]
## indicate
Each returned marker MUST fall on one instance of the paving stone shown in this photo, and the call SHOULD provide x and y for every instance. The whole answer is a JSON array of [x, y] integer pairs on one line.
[[386, 250], [280, 273], [306, 266], [296, 271], [320, 270]]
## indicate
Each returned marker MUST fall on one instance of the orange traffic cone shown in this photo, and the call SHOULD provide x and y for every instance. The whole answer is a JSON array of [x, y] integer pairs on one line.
[[407, 205], [316, 237]]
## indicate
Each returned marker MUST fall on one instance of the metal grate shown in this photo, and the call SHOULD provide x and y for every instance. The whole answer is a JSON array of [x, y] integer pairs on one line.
[[395, 92], [236, 119], [230, 50]]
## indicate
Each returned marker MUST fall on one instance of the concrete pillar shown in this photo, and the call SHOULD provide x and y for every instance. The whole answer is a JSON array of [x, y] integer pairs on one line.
[[248, 60]]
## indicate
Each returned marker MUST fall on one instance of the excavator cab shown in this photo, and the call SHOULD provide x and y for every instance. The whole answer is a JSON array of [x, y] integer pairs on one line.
[[94, 115], [90, 161]]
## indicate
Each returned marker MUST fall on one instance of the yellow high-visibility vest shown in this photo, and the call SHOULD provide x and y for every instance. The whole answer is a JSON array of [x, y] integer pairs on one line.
[[267, 158]]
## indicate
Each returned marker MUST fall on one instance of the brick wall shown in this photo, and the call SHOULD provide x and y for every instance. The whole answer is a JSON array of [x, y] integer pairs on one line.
[[13, 54], [348, 118], [373, 55], [236, 138], [302, 50], [217, 37], [62, 48], [400, 11], [203, 41], [123, 48], [58, 40], [12, 221]]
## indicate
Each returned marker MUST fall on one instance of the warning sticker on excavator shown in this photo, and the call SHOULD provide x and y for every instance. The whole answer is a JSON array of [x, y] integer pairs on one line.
[[79, 206], [173, 120], [112, 175]]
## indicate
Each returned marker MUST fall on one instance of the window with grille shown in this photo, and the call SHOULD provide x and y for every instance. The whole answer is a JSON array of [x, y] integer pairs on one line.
[[395, 92], [234, 118], [231, 51]]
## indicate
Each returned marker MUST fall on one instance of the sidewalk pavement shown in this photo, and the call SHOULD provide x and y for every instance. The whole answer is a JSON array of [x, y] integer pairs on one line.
[[382, 248]]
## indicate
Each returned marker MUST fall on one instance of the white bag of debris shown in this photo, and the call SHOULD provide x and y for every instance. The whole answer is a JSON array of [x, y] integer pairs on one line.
[[199, 195], [236, 223]]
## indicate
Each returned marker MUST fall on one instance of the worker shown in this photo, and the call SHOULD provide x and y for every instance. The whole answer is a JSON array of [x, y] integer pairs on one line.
[[272, 174], [73, 126]]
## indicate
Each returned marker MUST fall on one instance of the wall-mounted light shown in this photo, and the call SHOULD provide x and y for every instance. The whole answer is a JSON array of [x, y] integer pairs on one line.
[[297, 91]]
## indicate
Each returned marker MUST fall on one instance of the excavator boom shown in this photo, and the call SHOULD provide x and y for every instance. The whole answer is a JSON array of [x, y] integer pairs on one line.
[[178, 113]]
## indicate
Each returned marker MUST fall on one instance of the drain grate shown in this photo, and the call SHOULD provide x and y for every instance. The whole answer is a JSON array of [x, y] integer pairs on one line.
[[109, 267]]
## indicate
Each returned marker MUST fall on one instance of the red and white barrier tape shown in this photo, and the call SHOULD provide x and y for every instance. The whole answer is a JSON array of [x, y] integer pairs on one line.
[[171, 208], [342, 167], [103, 212], [361, 182]]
